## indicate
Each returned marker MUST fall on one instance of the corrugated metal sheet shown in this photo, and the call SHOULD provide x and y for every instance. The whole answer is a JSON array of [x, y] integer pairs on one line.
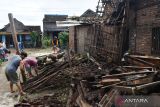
[[68, 23]]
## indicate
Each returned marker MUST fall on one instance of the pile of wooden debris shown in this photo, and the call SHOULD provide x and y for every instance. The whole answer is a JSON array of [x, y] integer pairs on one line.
[[84, 82]]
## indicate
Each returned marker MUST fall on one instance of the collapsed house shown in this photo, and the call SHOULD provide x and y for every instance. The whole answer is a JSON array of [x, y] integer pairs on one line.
[[120, 26], [84, 82], [98, 79]]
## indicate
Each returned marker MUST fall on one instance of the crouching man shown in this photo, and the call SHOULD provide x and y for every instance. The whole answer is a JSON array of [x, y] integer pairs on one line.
[[30, 63], [11, 73]]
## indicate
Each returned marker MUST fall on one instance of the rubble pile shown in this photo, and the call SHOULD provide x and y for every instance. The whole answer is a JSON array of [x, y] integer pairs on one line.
[[58, 77], [137, 75], [84, 82]]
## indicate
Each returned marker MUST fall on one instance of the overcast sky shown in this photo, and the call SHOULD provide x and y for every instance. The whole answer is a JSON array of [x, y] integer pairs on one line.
[[31, 12]]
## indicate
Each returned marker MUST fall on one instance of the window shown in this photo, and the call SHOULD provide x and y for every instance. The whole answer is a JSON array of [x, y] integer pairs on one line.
[[28, 38], [156, 40]]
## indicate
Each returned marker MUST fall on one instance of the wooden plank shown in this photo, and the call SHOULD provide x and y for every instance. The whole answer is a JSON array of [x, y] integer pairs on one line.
[[137, 88], [151, 59], [109, 81], [137, 67], [126, 89], [147, 85], [140, 61], [108, 98], [127, 74], [131, 81]]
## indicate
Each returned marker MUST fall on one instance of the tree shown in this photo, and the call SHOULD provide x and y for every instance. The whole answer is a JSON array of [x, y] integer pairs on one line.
[[46, 41], [34, 38], [63, 38]]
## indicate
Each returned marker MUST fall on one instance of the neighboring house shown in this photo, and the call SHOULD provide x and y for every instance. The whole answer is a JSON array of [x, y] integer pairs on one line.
[[49, 25], [80, 36], [23, 34]]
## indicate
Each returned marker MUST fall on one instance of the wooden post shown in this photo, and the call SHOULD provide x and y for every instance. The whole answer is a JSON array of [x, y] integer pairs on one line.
[[14, 34], [68, 54]]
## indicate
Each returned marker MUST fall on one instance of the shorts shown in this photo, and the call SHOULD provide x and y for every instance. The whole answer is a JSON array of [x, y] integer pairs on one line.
[[54, 47], [12, 76], [28, 68]]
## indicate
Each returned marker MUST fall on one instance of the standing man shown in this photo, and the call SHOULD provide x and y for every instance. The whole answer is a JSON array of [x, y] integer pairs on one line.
[[55, 45], [21, 47], [11, 69]]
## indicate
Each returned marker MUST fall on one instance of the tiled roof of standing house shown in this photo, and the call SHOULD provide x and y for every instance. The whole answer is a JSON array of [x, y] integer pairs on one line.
[[34, 28], [20, 27], [54, 18]]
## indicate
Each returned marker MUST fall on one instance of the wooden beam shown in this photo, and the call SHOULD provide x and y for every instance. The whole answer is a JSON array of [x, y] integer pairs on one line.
[[152, 84], [127, 74], [137, 67], [9, 33], [140, 61], [109, 81], [126, 89], [124, 82], [137, 88], [14, 34]]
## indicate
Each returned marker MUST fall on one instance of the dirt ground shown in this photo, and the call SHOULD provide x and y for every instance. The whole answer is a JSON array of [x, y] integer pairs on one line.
[[6, 98]]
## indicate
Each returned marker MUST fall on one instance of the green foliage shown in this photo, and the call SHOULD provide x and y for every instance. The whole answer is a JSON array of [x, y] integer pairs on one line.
[[34, 38], [63, 38], [1, 61], [46, 41]]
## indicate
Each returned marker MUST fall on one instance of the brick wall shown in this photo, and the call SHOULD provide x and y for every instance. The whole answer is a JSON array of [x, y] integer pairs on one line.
[[147, 17]]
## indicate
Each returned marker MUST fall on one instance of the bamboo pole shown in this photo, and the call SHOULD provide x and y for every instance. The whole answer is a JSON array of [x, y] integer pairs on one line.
[[14, 33]]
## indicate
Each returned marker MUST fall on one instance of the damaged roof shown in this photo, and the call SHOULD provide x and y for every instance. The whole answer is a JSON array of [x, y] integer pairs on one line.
[[89, 13]]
